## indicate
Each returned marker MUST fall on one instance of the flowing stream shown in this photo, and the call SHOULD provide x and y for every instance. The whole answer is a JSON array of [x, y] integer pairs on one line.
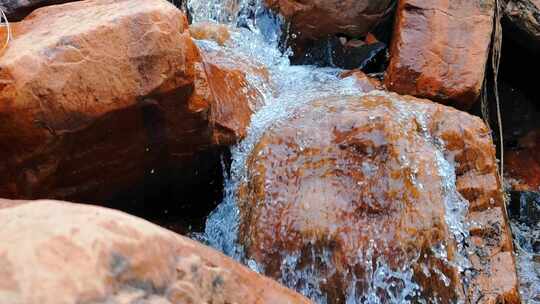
[[255, 35]]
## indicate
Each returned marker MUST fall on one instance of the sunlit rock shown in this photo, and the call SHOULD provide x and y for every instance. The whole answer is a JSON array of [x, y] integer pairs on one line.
[[98, 96], [440, 49], [363, 198], [54, 252], [225, 84]]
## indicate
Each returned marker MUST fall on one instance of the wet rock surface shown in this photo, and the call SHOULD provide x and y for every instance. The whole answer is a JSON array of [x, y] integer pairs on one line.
[[89, 96], [98, 111], [314, 19], [440, 49], [350, 188], [56, 252]]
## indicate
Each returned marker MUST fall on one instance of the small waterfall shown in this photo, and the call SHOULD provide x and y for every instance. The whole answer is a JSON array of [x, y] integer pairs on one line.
[[527, 244], [255, 34]]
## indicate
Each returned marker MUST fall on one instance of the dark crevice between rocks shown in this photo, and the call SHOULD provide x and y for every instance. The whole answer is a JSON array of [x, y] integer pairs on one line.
[[518, 89], [178, 199], [520, 107], [341, 50]]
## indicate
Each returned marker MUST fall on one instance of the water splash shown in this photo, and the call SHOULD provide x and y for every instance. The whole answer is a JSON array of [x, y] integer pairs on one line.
[[527, 246], [255, 34]]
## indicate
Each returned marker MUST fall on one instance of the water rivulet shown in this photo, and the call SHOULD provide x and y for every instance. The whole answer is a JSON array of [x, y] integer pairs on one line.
[[351, 195]]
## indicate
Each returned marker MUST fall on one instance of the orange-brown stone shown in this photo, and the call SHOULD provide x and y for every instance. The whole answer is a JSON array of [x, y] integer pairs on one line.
[[89, 109], [315, 19], [348, 184], [222, 85], [55, 252], [522, 164], [440, 49]]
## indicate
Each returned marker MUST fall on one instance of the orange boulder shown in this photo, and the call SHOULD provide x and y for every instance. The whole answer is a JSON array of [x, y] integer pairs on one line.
[[55, 252], [358, 197], [98, 96], [440, 49]]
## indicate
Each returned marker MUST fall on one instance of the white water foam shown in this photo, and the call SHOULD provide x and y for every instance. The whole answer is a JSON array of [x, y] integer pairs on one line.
[[526, 242], [255, 34]]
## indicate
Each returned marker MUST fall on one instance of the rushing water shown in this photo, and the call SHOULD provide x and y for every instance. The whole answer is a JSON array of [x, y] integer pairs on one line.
[[255, 34], [528, 260], [525, 213]]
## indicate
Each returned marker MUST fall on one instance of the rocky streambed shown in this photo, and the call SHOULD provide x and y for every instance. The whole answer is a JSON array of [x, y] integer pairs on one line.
[[336, 151]]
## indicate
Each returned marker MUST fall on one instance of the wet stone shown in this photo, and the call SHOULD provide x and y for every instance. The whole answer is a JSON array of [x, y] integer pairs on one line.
[[356, 197]]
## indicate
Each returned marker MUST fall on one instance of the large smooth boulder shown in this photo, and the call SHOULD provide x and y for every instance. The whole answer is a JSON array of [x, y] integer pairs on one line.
[[315, 19], [54, 252], [355, 197], [99, 96], [440, 48]]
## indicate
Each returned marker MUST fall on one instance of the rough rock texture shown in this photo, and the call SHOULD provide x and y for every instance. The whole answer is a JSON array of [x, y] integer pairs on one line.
[[17, 9], [440, 49], [350, 185], [522, 164], [97, 96], [222, 85], [314, 19], [54, 253], [523, 16]]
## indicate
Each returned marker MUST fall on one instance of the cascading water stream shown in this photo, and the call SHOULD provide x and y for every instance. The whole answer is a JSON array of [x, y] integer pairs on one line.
[[255, 34]]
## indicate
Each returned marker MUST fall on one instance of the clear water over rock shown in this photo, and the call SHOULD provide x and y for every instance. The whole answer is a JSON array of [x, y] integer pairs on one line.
[[255, 33]]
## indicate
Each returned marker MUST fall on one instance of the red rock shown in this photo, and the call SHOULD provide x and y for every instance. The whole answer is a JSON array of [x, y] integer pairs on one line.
[[55, 252], [314, 19], [523, 164], [88, 109], [222, 87], [353, 181], [440, 49]]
